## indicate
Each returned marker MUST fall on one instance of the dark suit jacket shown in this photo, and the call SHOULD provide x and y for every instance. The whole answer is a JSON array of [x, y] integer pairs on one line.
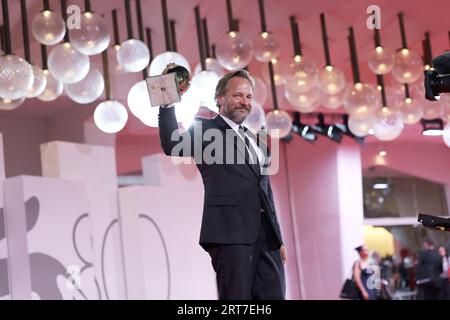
[[234, 193], [429, 268]]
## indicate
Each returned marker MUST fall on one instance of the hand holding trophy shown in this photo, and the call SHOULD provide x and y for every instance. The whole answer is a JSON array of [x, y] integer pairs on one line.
[[166, 89]]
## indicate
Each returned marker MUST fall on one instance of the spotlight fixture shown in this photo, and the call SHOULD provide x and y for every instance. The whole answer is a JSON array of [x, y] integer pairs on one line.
[[329, 131], [303, 130], [434, 127]]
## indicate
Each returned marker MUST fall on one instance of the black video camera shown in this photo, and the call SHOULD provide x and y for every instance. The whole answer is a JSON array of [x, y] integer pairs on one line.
[[437, 80]]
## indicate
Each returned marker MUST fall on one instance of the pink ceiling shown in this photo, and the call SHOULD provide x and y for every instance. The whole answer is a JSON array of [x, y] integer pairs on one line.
[[420, 16]]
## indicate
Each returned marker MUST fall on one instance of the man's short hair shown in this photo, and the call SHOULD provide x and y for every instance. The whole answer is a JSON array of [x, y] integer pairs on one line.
[[221, 87]]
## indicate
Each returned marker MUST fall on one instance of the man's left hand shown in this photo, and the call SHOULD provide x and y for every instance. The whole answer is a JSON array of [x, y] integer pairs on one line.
[[283, 253]]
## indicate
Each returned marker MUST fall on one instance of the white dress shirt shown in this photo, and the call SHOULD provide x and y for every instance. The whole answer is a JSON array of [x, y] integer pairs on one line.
[[259, 152]]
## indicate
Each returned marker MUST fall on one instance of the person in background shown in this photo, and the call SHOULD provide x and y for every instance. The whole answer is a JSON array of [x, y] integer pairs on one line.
[[428, 271], [363, 274], [445, 290]]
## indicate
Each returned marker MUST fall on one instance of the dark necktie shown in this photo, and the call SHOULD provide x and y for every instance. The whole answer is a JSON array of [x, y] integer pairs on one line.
[[249, 148]]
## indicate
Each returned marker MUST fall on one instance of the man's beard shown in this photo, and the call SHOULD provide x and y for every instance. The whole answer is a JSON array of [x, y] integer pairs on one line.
[[238, 116]]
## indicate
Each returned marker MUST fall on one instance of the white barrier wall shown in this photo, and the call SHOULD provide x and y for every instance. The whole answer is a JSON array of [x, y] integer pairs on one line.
[[94, 166], [48, 237], [163, 260]]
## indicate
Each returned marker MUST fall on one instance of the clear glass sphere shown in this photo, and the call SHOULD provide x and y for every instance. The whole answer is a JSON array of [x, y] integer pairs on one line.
[[234, 52], [110, 116], [446, 135], [300, 74], [394, 96], [48, 28], [331, 80], [93, 35], [381, 60], [431, 109], [360, 126], [67, 64], [266, 47], [115, 66], [332, 101], [278, 123], [260, 93], [16, 77], [445, 109], [408, 66], [88, 89], [277, 72], [39, 83], [160, 62], [8, 104], [303, 102], [204, 83], [361, 99], [187, 108], [411, 110], [417, 89], [139, 100], [388, 124], [53, 88], [256, 118], [133, 54], [211, 65]]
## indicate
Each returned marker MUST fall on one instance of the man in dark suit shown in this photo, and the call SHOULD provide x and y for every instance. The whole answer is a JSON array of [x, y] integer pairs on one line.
[[428, 271], [240, 230]]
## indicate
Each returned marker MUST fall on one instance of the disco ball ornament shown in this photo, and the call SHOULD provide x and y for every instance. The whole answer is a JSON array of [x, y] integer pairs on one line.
[[361, 99], [88, 89], [408, 66], [331, 80], [39, 82], [266, 47], [211, 65], [16, 77], [360, 126], [93, 35], [204, 83], [110, 116], [381, 60], [53, 88], [7, 104], [278, 123], [234, 52], [260, 93], [446, 135], [300, 74], [256, 118], [48, 28], [303, 102], [431, 109], [388, 124], [445, 109], [411, 110], [160, 62], [332, 101], [133, 54], [67, 64]]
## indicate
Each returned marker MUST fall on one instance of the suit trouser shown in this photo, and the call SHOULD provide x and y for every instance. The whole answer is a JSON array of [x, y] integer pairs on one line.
[[250, 271]]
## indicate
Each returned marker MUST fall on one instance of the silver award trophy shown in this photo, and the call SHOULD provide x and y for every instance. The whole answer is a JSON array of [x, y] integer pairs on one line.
[[168, 88]]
